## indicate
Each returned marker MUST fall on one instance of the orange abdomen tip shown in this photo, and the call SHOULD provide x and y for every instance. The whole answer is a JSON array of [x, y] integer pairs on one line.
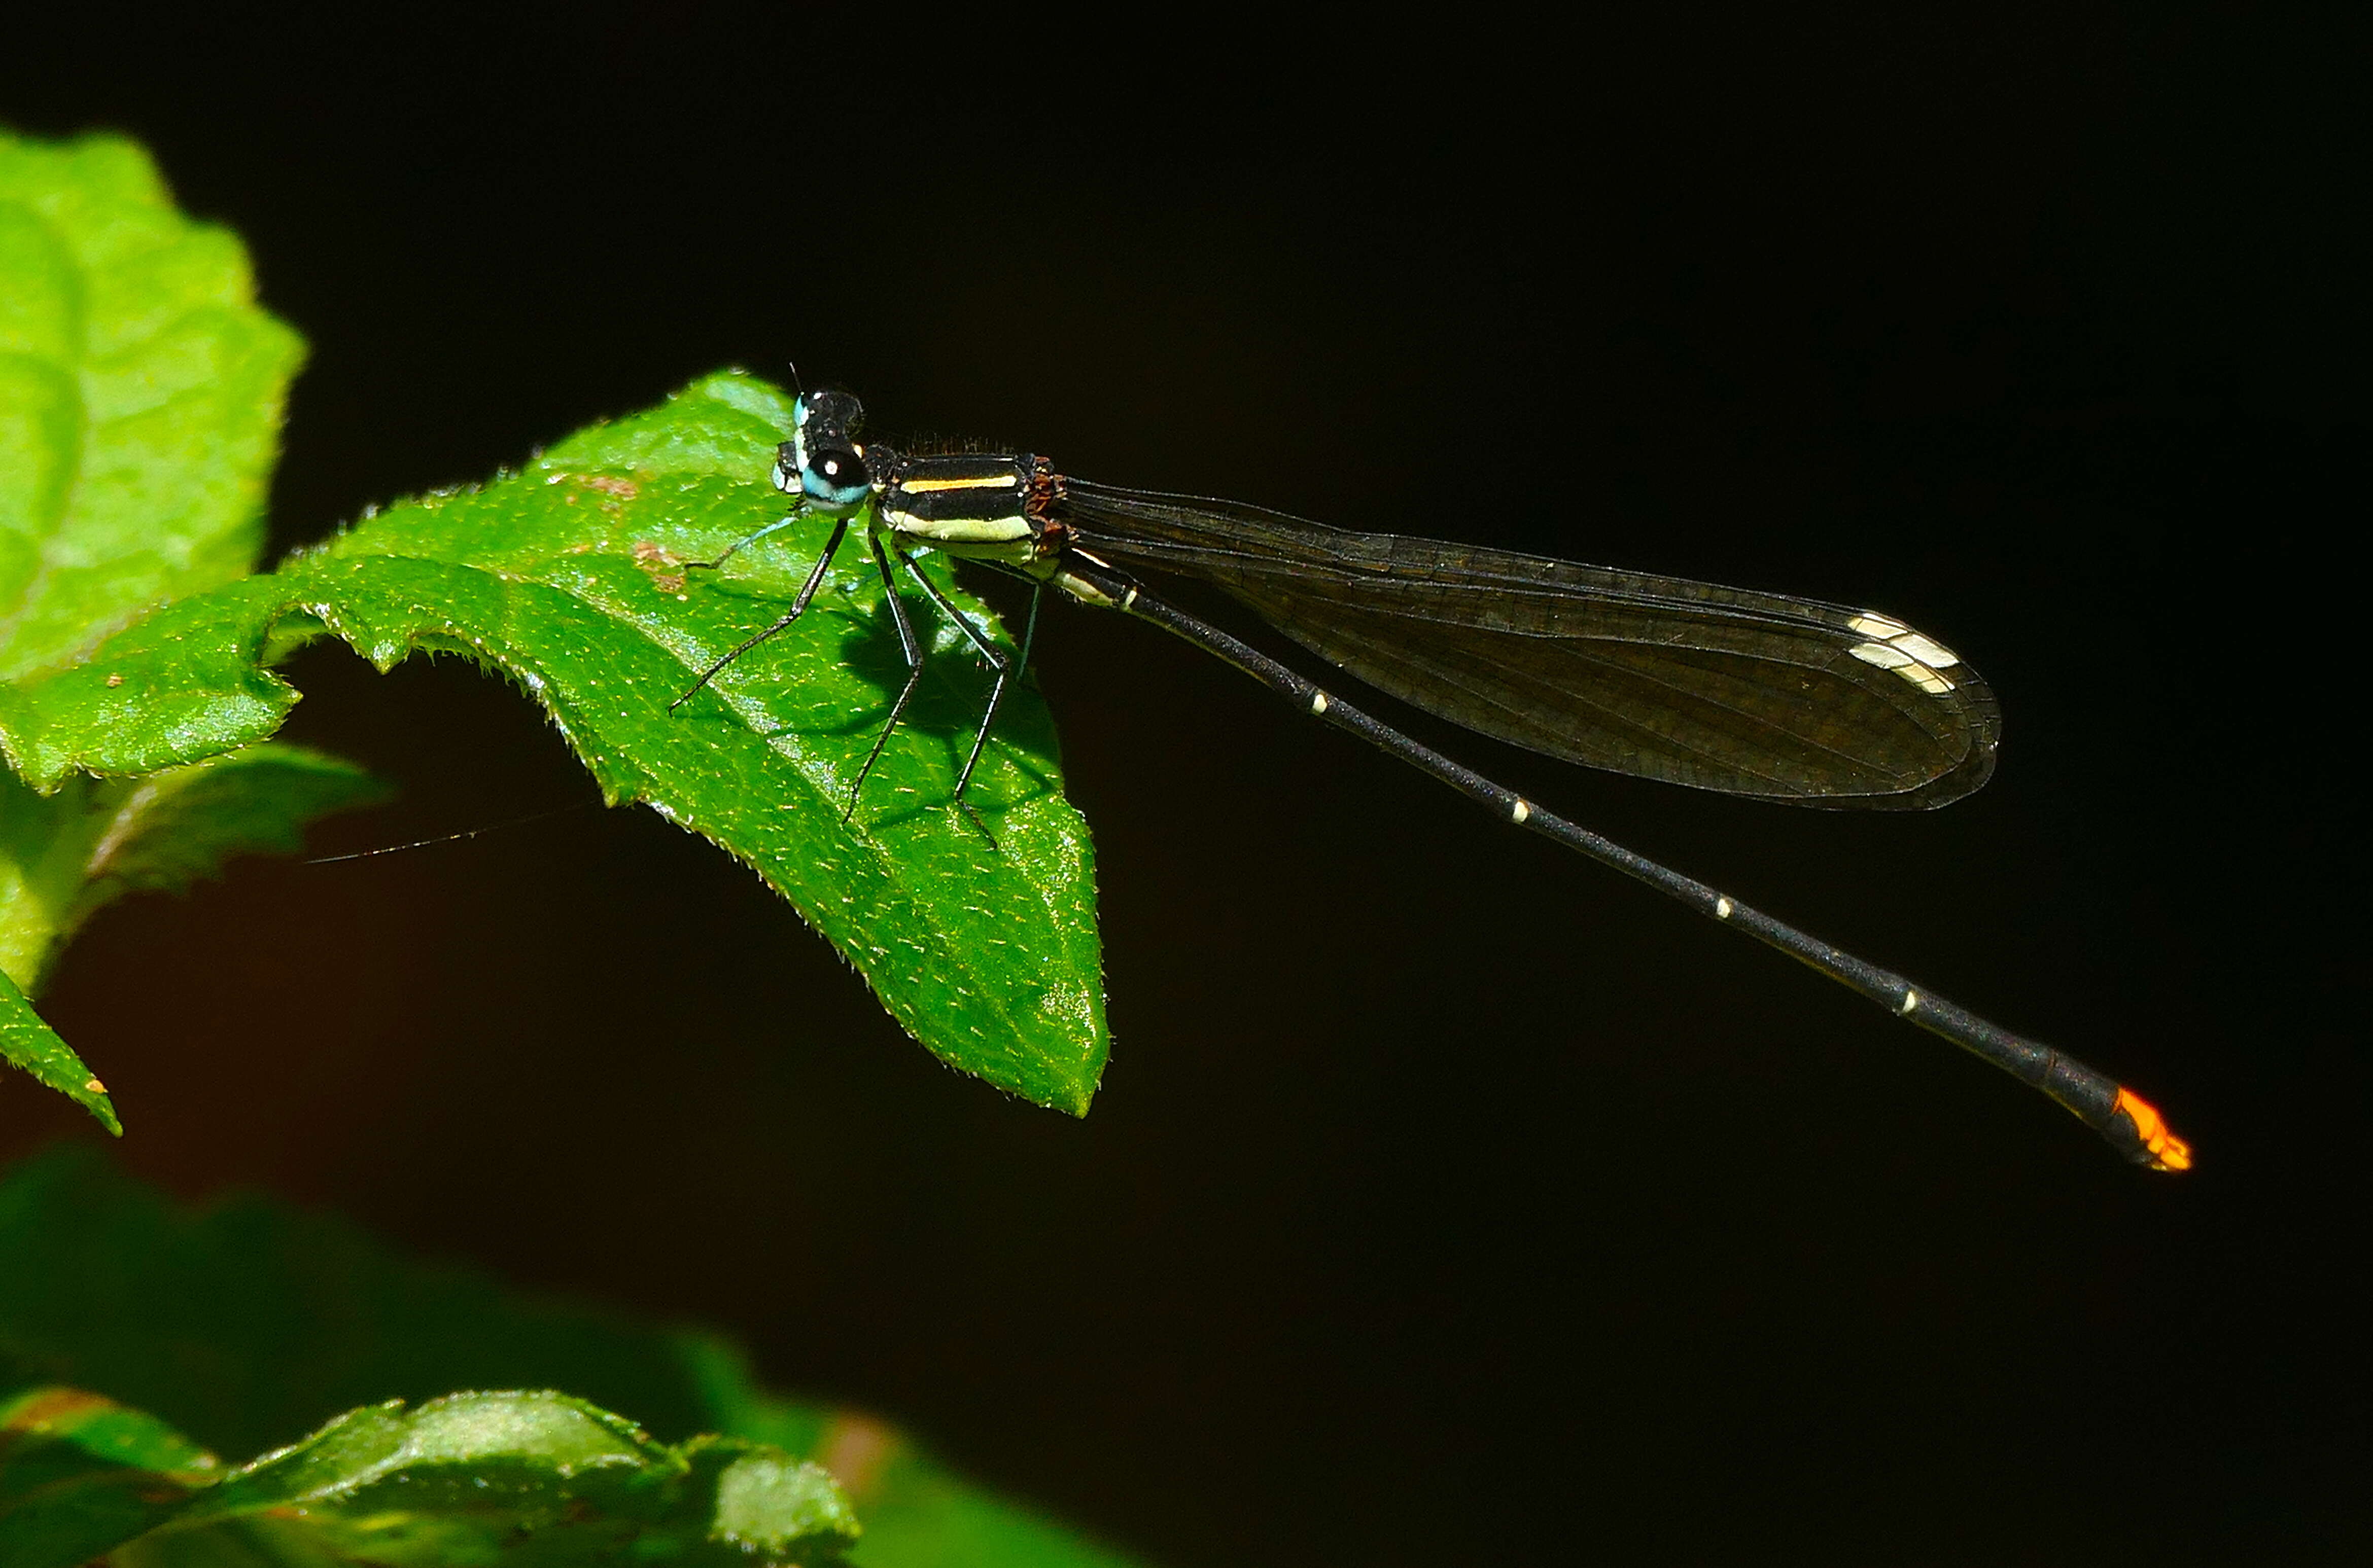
[[2167, 1152]]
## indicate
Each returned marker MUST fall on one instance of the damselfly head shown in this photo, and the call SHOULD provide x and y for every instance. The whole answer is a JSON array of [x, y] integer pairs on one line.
[[822, 463], [829, 411]]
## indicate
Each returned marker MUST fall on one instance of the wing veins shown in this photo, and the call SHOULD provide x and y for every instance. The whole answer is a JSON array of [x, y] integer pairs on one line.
[[1697, 656], [1751, 763]]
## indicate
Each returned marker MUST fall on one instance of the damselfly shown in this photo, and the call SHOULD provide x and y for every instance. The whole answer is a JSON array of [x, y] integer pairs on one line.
[[1722, 688]]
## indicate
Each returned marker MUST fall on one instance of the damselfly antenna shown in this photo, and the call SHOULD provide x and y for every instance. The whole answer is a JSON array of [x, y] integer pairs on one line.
[[452, 837]]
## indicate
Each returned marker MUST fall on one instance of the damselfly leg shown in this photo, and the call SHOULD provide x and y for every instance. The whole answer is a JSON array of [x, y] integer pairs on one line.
[[798, 605], [909, 644]]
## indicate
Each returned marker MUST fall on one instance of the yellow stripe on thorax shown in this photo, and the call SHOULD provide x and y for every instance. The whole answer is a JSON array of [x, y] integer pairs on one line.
[[990, 482]]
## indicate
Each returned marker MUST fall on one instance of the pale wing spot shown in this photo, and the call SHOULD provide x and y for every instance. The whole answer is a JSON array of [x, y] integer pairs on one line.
[[1910, 1003], [1889, 656], [1520, 811], [1927, 679], [1916, 656], [1721, 907], [1933, 654], [1318, 702]]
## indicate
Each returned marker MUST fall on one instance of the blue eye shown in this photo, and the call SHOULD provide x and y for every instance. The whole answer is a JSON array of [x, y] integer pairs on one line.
[[836, 477]]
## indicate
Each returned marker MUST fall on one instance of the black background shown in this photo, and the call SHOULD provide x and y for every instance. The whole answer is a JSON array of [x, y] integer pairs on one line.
[[1447, 1199]]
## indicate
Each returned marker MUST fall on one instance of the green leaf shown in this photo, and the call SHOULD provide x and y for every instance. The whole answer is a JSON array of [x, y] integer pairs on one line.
[[251, 1322], [181, 686], [532, 1477], [80, 1475], [140, 398], [477, 1478], [32, 1046], [570, 578]]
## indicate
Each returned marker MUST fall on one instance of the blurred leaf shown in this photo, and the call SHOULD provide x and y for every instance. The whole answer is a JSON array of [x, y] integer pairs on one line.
[[531, 1478], [140, 398], [480, 1478], [65, 857], [568, 577], [251, 1322], [80, 1475], [917, 1514], [174, 828]]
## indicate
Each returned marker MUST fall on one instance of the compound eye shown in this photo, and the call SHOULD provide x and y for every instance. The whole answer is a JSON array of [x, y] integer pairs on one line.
[[840, 469], [836, 478]]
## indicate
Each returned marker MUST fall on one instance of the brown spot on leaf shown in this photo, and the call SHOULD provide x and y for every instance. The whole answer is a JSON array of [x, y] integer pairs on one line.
[[52, 1404], [855, 1448], [650, 552], [661, 562], [115, 681]]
